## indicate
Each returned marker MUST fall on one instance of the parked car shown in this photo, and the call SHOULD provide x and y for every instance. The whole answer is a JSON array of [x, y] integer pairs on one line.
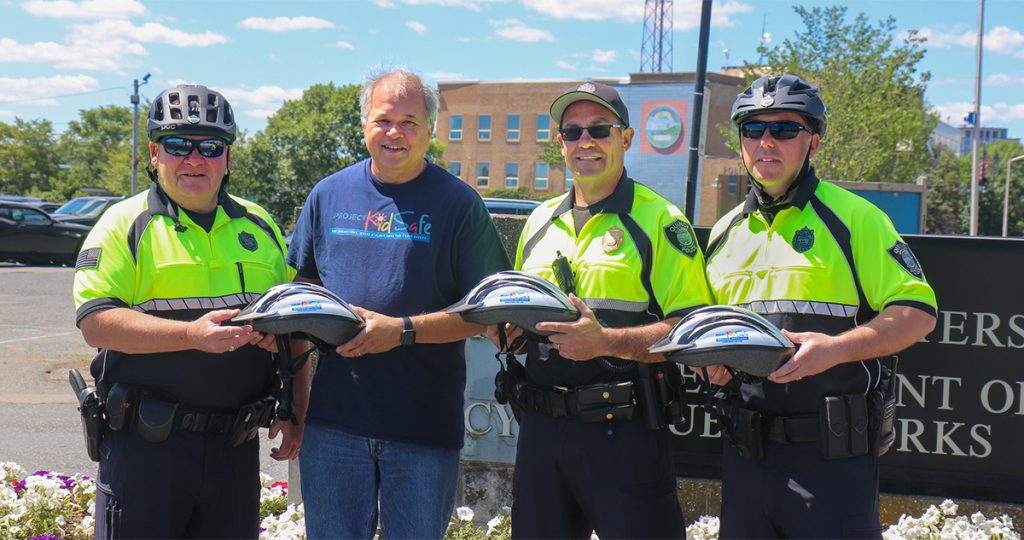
[[85, 210], [28, 235], [46, 206], [517, 207]]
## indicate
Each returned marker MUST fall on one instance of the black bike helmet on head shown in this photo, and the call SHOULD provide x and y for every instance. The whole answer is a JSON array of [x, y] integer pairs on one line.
[[735, 337], [191, 109], [781, 93], [303, 310], [516, 297]]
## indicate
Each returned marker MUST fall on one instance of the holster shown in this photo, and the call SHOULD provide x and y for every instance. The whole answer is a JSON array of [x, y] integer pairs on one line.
[[882, 404], [743, 428], [155, 418], [250, 419], [844, 426], [93, 413]]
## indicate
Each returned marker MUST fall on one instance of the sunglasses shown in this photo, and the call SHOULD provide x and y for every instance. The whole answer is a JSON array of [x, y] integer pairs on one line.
[[781, 130], [598, 131], [181, 147]]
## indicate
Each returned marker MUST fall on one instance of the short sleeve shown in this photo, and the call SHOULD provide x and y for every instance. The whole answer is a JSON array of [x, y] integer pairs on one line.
[[889, 272], [301, 252], [105, 271], [678, 277]]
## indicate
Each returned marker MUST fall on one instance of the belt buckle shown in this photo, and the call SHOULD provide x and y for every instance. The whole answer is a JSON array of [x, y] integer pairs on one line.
[[562, 389]]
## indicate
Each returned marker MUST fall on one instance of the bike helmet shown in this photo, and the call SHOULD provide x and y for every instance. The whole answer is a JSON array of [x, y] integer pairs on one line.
[[781, 94], [305, 310], [516, 297], [735, 337], [191, 109]]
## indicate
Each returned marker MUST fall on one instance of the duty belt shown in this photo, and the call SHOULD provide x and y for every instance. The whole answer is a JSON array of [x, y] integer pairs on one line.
[[590, 403], [204, 422], [791, 429]]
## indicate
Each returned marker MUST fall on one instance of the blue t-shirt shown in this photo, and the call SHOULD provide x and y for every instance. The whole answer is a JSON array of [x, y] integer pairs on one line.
[[404, 249]]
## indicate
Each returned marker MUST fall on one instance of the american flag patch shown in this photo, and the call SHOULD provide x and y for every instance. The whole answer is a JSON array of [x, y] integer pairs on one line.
[[88, 258]]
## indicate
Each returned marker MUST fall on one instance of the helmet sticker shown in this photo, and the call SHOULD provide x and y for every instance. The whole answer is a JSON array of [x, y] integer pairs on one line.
[[732, 336], [514, 298], [803, 240], [247, 240], [767, 101], [900, 251], [611, 240], [680, 234], [307, 306]]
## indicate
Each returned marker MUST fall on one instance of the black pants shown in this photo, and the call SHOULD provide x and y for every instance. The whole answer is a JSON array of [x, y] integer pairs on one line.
[[192, 485], [796, 493], [573, 477]]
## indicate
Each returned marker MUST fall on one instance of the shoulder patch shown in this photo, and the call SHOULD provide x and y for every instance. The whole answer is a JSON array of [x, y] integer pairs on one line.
[[247, 240], [88, 258], [680, 234], [803, 240], [906, 259]]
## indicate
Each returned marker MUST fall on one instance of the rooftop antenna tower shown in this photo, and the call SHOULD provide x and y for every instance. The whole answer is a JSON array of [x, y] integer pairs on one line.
[[656, 47]]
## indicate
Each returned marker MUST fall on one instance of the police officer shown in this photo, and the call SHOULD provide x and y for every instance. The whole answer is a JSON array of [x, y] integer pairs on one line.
[[594, 451], [156, 279], [828, 268]]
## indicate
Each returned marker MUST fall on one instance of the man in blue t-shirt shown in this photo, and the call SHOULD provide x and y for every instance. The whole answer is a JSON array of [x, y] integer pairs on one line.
[[400, 239]]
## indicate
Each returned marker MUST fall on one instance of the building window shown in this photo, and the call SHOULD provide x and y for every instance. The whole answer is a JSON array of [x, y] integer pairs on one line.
[[540, 175], [543, 127], [511, 175], [484, 133], [512, 131], [733, 183], [455, 168], [455, 130], [568, 179], [483, 174]]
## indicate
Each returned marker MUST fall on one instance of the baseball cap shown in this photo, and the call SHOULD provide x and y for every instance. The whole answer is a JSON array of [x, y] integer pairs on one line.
[[602, 94]]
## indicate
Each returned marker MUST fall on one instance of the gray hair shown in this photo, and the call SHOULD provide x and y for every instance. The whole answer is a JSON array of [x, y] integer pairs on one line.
[[405, 81]]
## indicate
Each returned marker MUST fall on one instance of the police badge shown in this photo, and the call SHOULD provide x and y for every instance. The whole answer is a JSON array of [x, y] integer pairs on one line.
[[680, 235], [247, 240], [906, 259], [803, 240]]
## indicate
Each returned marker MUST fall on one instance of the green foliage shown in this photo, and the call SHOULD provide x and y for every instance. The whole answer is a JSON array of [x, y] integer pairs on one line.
[[879, 123], [28, 157], [521, 192], [304, 141], [551, 153], [97, 151]]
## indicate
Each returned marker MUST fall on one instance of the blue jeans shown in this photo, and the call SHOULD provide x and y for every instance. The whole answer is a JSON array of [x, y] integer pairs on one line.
[[347, 478]]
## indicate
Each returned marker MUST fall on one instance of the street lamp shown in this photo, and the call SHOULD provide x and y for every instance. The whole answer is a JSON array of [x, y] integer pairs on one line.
[[135, 129], [1006, 193]]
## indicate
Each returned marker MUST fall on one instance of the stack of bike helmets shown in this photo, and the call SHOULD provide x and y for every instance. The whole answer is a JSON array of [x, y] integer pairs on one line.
[[735, 337], [515, 297], [303, 310]]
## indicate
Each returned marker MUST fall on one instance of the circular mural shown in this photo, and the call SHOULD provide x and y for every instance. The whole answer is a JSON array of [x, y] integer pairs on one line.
[[663, 127]]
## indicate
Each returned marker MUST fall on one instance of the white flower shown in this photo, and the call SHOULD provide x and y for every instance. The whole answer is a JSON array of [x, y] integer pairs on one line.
[[493, 524], [948, 507], [465, 513]]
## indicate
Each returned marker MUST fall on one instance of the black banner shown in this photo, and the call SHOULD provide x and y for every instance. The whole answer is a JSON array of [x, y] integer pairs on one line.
[[960, 408]]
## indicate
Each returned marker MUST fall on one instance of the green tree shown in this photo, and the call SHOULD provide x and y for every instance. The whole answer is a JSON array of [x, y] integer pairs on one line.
[[96, 149], [28, 157], [879, 123], [551, 153]]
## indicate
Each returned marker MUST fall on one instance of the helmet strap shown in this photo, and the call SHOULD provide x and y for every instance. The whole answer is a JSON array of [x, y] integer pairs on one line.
[[768, 205], [286, 370]]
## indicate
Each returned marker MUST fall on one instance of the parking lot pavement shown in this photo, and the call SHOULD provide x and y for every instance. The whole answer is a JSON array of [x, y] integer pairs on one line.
[[39, 343]]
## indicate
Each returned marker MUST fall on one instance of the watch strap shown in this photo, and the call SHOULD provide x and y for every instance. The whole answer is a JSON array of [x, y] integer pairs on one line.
[[408, 333]]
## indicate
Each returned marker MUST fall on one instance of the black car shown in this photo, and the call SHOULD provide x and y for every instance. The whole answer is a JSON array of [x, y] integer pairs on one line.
[[516, 207], [30, 236], [46, 206], [85, 210]]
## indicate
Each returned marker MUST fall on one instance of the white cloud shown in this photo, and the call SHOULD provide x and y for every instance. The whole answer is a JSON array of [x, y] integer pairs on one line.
[[445, 76], [953, 113], [1004, 79], [1000, 40], [260, 102], [34, 90], [285, 24], [516, 30], [686, 16], [344, 45], [6, 113], [473, 5], [562, 64], [416, 26], [147, 33], [604, 57], [86, 9], [384, 3]]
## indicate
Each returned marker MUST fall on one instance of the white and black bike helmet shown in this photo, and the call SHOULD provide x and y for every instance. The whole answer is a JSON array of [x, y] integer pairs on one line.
[[735, 337], [304, 310], [191, 109], [515, 297]]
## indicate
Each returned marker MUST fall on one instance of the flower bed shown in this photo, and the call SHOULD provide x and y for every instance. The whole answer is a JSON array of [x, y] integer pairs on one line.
[[47, 505]]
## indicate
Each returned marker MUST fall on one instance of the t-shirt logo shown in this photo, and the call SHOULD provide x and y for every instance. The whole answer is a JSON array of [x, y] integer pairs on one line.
[[803, 240], [248, 241], [906, 259], [680, 235]]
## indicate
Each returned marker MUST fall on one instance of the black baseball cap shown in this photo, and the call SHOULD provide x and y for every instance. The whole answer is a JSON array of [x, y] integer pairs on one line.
[[602, 94]]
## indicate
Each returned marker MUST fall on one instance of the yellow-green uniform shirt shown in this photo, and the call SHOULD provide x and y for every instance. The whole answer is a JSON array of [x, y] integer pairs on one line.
[[634, 263], [147, 255], [828, 261]]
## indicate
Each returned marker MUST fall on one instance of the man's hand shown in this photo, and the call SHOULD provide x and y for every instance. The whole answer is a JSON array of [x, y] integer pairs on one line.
[[815, 353], [291, 440], [208, 334], [718, 373], [512, 333], [267, 342], [381, 333], [582, 339]]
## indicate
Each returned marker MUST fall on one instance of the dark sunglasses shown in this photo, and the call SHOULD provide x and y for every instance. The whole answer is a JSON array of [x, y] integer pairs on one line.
[[181, 147], [781, 130], [598, 131]]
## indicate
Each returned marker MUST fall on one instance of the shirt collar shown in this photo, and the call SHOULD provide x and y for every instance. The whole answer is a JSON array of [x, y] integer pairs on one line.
[[161, 204], [619, 202], [803, 193]]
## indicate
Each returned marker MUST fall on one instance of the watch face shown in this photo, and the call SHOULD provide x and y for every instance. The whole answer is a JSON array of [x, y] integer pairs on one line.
[[408, 337]]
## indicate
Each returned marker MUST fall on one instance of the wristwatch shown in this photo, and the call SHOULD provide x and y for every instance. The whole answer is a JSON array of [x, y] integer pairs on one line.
[[409, 333]]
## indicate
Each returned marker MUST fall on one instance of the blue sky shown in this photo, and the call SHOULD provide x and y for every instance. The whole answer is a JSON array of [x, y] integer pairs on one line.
[[59, 56]]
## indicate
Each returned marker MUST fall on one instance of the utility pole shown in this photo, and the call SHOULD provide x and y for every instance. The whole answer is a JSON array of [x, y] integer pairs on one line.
[[135, 130], [698, 109], [1006, 194], [976, 129]]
